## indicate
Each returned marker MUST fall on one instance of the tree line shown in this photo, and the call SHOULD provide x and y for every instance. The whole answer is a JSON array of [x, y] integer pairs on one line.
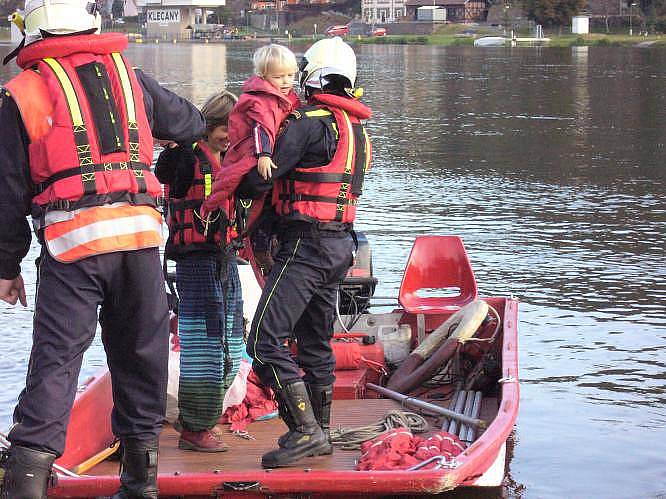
[[649, 15]]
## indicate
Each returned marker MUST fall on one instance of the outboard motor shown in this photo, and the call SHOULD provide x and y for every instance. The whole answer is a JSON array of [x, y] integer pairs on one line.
[[359, 284]]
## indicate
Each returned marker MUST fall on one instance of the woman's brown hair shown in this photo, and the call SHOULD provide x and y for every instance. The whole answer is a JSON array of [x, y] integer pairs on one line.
[[217, 108]]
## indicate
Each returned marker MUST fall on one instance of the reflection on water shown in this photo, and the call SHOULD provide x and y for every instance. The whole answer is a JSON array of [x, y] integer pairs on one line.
[[549, 164]]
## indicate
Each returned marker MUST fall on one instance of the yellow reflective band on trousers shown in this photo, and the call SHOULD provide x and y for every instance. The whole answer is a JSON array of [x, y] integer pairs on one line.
[[263, 311]]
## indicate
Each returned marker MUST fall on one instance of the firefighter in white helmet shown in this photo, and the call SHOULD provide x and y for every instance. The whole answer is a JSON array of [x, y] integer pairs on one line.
[[322, 156], [59, 17], [77, 131]]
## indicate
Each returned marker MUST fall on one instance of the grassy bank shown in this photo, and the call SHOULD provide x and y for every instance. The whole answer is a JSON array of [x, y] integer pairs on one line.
[[598, 39], [455, 35]]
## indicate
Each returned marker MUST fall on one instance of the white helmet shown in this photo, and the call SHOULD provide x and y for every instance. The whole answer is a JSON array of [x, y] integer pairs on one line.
[[59, 17], [324, 61]]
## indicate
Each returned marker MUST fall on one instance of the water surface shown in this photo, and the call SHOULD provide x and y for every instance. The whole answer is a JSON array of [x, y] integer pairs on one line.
[[549, 164]]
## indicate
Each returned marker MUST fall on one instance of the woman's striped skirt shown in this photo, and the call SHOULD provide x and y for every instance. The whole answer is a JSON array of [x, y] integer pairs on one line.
[[210, 326]]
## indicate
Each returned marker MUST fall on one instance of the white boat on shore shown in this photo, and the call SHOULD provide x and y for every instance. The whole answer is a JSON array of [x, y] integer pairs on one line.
[[491, 41]]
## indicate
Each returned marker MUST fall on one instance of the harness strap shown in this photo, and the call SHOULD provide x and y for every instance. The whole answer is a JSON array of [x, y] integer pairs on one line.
[[312, 197], [318, 177], [86, 166], [341, 202], [206, 169], [97, 167], [184, 204], [132, 126]]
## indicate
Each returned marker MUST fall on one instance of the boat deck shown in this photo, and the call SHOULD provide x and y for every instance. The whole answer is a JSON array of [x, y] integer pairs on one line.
[[245, 455]]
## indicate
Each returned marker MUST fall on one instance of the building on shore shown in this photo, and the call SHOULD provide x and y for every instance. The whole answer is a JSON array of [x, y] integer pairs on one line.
[[458, 11], [175, 19], [382, 11]]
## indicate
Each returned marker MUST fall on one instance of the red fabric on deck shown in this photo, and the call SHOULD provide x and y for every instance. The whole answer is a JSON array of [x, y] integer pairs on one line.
[[259, 401], [399, 449]]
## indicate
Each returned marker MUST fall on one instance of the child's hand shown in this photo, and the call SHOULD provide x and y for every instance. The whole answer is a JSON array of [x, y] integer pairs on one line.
[[264, 166]]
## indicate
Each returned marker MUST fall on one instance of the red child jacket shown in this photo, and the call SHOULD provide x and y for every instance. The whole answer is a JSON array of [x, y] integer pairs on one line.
[[262, 104]]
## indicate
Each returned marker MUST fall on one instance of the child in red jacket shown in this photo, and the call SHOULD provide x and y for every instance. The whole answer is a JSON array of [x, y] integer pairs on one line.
[[267, 99]]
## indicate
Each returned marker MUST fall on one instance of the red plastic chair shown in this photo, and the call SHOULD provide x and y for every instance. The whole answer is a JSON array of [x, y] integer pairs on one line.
[[438, 277]]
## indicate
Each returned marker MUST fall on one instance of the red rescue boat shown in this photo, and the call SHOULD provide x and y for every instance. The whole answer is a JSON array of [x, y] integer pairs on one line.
[[438, 283]]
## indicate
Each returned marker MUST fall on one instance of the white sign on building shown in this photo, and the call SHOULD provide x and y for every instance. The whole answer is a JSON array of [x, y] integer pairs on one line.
[[163, 16]]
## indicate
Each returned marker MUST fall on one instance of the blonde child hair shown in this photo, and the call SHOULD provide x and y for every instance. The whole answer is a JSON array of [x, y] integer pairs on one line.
[[217, 108], [273, 56]]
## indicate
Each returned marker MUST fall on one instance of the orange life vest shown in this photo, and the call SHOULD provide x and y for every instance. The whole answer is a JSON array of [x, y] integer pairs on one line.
[[90, 146], [329, 193], [187, 231]]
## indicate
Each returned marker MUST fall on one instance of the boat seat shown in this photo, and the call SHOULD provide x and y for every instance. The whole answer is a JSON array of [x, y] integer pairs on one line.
[[438, 277]]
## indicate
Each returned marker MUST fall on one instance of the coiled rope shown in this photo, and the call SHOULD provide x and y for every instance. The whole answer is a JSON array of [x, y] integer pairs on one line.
[[352, 438]]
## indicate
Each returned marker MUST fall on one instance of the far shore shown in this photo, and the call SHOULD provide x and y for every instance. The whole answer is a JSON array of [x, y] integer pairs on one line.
[[451, 35]]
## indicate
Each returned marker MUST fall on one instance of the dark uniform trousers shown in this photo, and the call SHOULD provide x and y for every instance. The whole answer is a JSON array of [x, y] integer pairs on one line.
[[299, 296], [129, 290]]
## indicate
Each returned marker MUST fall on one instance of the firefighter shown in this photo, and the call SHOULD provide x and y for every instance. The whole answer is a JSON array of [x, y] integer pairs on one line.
[[322, 155], [77, 127]]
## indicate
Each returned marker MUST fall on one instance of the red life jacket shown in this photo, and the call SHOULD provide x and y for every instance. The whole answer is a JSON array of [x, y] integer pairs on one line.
[[187, 232], [329, 193], [78, 156]]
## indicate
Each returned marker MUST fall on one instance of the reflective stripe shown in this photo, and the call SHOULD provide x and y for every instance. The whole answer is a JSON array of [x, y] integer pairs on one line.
[[350, 148], [104, 229], [208, 184], [79, 130], [127, 242], [127, 86], [132, 127], [263, 312], [367, 150], [68, 88], [344, 186], [317, 112]]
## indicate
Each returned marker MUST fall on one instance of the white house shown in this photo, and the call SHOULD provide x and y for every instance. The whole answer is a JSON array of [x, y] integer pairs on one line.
[[382, 11]]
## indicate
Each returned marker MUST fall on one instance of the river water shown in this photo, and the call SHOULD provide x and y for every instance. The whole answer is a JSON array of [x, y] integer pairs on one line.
[[549, 164]]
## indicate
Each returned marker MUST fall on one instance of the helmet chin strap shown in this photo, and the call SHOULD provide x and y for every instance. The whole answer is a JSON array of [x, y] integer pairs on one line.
[[14, 52]]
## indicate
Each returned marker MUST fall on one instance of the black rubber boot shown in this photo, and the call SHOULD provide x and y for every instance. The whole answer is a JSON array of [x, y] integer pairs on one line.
[[283, 409], [321, 397], [27, 473], [138, 469], [307, 438]]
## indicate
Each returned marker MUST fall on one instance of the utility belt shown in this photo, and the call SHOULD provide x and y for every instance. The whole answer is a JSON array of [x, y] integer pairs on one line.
[[314, 230]]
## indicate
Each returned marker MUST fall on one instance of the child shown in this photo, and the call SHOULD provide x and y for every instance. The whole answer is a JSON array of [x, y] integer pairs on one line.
[[210, 321], [268, 98]]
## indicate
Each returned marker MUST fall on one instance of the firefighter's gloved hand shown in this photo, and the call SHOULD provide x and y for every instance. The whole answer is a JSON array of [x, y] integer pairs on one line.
[[175, 168]]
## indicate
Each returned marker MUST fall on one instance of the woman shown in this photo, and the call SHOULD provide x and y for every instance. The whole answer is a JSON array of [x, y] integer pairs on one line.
[[210, 320]]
